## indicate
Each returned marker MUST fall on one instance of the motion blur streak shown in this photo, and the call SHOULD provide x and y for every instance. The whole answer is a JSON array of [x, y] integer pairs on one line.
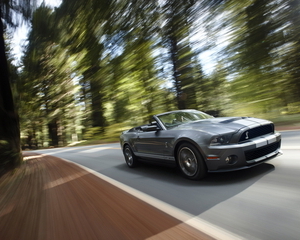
[[120, 62], [60, 181], [33, 157]]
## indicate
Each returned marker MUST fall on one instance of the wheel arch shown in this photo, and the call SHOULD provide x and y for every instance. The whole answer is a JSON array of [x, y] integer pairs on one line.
[[130, 158], [126, 144], [190, 141]]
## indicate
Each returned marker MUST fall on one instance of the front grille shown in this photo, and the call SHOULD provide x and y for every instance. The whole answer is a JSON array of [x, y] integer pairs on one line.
[[260, 152], [256, 132]]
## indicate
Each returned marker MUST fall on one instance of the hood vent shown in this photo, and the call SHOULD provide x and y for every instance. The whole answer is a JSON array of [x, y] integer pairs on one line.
[[231, 120]]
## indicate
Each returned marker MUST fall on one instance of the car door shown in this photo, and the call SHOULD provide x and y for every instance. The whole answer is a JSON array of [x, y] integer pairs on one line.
[[150, 143]]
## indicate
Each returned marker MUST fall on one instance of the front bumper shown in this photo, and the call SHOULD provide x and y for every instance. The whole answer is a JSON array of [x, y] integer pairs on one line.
[[246, 155]]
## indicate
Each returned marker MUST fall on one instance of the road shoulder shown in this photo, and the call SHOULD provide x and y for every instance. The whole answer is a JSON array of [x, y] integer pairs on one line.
[[49, 198]]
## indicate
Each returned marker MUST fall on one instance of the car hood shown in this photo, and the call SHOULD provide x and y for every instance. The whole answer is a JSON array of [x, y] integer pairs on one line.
[[223, 124]]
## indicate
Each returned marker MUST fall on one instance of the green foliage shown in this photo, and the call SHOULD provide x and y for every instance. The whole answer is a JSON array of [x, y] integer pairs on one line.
[[92, 132], [93, 66], [47, 90], [258, 55], [286, 120], [112, 134], [291, 108]]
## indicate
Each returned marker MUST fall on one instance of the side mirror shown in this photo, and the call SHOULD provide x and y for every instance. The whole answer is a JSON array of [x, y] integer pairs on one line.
[[151, 127]]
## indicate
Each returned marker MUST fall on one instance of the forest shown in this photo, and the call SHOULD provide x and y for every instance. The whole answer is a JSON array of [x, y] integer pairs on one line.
[[93, 68]]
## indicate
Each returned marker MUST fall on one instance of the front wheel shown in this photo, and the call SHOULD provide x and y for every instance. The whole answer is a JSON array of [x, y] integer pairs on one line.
[[190, 162], [130, 158]]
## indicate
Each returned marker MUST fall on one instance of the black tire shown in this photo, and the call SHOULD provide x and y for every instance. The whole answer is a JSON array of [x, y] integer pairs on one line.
[[191, 162], [130, 158]]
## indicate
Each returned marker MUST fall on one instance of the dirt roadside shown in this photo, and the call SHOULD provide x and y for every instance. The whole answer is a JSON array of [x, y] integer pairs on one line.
[[49, 198], [295, 127]]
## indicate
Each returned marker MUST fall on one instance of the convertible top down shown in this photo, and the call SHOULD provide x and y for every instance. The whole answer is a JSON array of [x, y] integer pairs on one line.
[[198, 143]]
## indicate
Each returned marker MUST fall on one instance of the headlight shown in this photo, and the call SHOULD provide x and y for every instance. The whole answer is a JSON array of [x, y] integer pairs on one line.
[[220, 140]]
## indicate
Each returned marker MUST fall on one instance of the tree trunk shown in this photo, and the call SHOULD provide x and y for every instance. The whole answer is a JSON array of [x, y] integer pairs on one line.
[[174, 59], [98, 119], [53, 133], [10, 149]]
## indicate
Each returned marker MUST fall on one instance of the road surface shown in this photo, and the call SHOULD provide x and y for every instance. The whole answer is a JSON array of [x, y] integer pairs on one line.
[[258, 203]]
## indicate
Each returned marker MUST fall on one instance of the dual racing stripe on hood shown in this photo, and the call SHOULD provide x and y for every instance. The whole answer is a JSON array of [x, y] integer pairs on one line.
[[224, 124]]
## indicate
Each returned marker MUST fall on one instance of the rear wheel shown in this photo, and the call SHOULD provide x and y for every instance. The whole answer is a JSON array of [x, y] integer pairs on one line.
[[190, 162], [130, 158]]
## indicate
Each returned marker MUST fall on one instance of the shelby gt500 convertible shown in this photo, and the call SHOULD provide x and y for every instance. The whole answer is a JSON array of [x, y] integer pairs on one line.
[[199, 143]]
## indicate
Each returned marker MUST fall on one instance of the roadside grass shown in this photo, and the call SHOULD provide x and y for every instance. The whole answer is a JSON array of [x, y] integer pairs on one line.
[[286, 120], [111, 135]]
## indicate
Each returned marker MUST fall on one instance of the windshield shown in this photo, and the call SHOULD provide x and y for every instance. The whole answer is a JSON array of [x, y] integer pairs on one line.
[[174, 119]]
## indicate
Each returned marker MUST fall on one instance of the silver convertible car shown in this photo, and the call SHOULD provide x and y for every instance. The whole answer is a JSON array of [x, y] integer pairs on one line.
[[198, 143]]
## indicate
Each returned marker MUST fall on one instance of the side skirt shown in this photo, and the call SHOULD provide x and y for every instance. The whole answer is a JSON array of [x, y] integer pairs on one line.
[[156, 159]]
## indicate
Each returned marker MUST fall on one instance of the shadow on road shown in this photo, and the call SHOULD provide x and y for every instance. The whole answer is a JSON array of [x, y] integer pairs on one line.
[[194, 197], [173, 174]]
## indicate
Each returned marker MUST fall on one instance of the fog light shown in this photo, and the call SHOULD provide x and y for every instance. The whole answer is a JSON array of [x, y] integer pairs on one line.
[[232, 159]]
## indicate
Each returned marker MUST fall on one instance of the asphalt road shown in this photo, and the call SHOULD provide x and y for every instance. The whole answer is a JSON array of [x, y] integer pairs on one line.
[[258, 203]]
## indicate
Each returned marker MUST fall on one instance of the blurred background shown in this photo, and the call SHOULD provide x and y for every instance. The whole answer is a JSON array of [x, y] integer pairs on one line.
[[91, 69]]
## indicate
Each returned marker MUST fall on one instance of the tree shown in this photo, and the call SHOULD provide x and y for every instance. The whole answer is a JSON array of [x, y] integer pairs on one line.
[[47, 80], [250, 54], [289, 52], [177, 16], [80, 35], [141, 39], [10, 150]]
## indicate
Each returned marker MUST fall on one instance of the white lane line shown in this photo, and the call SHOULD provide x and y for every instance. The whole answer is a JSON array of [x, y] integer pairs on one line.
[[290, 147], [91, 150], [185, 217], [56, 150], [80, 149]]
